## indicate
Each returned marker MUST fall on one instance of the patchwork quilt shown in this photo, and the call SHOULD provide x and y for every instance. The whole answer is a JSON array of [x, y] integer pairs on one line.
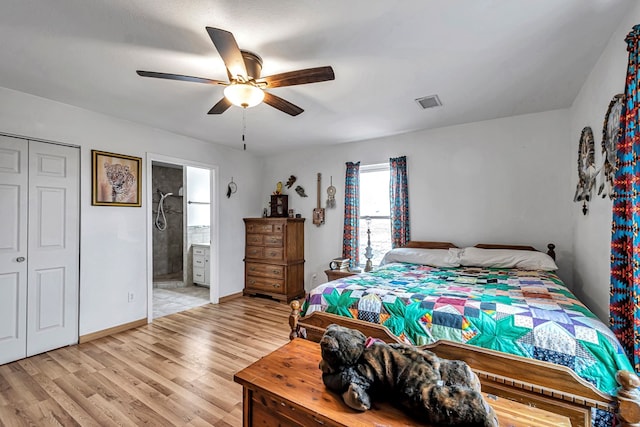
[[526, 313]]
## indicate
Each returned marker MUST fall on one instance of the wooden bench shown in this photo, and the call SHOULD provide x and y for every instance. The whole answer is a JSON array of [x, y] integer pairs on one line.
[[285, 387]]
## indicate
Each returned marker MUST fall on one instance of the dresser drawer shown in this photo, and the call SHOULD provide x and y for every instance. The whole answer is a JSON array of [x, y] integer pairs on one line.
[[273, 254], [265, 284], [199, 250], [265, 270], [274, 240], [198, 261], [255, 239], [255, 252], [261, 228], [199, 276]]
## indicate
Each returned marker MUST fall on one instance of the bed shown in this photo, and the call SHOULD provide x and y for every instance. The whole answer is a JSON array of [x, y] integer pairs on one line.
[[524, 333]]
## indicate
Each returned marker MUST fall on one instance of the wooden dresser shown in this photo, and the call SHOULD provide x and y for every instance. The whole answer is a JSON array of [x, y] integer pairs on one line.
[[285, 388], [274, 257]]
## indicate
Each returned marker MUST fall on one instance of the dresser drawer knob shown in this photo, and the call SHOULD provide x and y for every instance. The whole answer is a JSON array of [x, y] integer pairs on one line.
[[274, 253], [251, 281], [276, 271], [318, 421], [252, 269], [276, 285]]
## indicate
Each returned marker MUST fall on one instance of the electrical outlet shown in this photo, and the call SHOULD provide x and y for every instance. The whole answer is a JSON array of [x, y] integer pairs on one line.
[[130, 296]]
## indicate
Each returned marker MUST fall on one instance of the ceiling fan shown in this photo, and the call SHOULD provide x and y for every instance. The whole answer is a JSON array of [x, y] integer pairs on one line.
[[245, 87]]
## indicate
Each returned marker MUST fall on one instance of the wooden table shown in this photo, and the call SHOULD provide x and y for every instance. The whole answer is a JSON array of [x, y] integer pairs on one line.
[[285, 387]]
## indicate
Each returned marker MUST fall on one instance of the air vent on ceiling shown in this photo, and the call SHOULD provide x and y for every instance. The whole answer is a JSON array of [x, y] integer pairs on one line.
[[429, 101]]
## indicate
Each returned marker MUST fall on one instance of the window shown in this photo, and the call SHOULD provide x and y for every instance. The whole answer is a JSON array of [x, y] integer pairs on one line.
[[374, 205], [198, 195]]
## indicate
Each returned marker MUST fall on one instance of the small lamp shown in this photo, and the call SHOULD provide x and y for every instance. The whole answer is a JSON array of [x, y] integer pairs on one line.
[[244, 95], [368, 252]]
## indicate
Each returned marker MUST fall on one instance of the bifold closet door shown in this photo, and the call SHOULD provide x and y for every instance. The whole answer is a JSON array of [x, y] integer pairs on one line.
[[39, 246], [53, 254], [14, 181]]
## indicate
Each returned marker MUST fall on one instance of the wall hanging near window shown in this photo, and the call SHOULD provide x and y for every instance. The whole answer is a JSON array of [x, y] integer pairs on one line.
[[610, 135], [586, 169], [115, 179], [318, 212], [331, 196]]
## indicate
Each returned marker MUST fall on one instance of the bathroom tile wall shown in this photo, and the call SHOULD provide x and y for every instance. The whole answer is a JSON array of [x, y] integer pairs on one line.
[[168, 244]]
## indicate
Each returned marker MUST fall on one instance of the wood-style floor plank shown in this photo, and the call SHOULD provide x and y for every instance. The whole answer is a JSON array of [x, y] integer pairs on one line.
[[176, 371]]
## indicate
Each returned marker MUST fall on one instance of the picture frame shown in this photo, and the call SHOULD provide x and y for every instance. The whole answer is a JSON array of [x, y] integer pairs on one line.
[[116, 179]]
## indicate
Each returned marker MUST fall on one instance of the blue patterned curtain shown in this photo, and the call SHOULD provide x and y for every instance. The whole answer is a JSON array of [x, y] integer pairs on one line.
[[350, 236], [399, 198], [624, 309]]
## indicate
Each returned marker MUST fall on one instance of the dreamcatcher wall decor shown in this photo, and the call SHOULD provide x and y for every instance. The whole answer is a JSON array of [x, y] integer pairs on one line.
[[610, 135], [586, 169], [331, 196], [232, 187]]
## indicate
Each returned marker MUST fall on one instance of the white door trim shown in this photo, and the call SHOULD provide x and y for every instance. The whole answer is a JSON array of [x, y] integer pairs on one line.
[[214, 257]]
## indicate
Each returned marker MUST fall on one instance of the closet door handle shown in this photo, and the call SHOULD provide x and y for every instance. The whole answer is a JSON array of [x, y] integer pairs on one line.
[[21, 259]]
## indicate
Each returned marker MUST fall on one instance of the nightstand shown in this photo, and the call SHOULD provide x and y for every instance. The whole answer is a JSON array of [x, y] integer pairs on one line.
[[338, 274]]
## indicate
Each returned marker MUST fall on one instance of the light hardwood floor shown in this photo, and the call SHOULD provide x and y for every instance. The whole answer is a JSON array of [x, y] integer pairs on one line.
[[176, 371]]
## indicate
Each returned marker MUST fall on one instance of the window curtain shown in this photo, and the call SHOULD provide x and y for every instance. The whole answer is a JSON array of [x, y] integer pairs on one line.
[[399, 199], [624, 312], [351, 233]]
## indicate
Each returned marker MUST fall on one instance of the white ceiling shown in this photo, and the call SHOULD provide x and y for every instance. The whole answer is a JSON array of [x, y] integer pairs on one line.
[[484, 58]]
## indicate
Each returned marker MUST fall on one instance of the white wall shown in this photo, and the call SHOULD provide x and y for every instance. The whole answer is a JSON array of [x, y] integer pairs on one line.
[[593, 232], [499, 181], [113, 239]]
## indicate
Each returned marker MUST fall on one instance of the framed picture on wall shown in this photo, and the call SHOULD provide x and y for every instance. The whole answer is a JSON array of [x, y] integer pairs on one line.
[[116, 179]]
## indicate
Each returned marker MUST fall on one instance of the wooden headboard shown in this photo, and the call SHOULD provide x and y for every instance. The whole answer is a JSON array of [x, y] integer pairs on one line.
[[550, 248], [446, 245], [429, 245]]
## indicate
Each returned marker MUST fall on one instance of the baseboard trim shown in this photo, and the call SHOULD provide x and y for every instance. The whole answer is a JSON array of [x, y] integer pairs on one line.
[[114, 330], [229, 297]]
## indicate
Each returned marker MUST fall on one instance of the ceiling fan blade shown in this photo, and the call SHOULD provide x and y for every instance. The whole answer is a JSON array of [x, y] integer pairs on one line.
[[179, 77], [281, 104], [300, 77], [220, 107], [229, 51]]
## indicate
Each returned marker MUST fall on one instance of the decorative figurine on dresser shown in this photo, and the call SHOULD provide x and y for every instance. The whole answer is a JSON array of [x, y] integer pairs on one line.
[[274, 257]]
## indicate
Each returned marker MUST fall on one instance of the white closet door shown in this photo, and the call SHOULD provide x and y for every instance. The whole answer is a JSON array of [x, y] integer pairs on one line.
[[53, 258], [13, 248]]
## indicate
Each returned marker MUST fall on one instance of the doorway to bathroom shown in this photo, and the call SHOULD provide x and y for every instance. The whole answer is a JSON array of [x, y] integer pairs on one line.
[[180, 239]]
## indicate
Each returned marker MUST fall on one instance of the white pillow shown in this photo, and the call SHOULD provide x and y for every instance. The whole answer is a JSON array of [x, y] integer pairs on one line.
[[432, 257], [507, 258]]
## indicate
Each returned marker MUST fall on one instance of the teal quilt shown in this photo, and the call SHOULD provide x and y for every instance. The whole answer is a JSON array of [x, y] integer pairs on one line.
[[526, 313]]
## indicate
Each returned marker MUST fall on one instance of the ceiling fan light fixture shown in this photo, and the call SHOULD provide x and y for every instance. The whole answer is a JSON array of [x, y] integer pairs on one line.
[[244, 95]]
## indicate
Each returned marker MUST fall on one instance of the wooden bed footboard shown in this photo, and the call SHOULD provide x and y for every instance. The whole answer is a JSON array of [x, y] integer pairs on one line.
[[544, 385]]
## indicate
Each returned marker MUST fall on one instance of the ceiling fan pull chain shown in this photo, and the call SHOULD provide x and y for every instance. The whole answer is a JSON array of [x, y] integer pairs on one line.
[[244, 127]]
